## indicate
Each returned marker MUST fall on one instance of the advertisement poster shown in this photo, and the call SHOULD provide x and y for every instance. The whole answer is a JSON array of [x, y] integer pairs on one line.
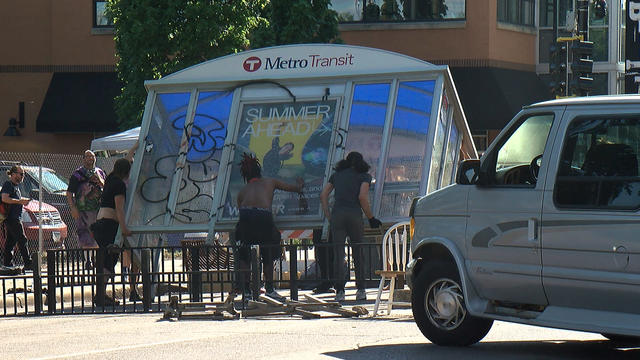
[[290, 140]]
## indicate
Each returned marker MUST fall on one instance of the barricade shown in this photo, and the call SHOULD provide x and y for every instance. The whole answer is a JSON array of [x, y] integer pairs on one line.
[[67, 286]]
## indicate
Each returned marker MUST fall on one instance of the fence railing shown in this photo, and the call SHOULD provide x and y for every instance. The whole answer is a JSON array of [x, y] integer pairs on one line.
[[71, 282]]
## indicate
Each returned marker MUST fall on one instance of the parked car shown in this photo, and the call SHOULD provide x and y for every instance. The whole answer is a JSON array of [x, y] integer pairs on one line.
[[55, 208], [54, 230], [542, 230]]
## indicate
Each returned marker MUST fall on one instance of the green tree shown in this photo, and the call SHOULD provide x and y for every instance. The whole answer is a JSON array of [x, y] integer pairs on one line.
[[154, 38], [296, 22]]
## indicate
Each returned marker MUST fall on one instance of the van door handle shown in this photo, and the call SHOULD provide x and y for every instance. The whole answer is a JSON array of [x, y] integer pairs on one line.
[[532, 233]]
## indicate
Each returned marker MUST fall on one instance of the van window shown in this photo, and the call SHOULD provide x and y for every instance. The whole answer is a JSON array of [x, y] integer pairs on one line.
[[526, 143], [599, 165]]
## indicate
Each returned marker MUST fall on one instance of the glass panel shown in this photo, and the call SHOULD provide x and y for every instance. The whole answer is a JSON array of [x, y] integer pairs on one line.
[[600, 84], [399, 10], [290, 140], [406, 154], [203, 158], [101, 18], [600, 38], [438, 144], [519, 12], [396, 204], [450, 156], [51, 182], [546, 12], [159, 159], [366, 122], [599, 165]]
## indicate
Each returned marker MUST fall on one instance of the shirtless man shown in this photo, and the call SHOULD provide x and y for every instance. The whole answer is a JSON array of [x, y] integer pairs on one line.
[[255, 226]]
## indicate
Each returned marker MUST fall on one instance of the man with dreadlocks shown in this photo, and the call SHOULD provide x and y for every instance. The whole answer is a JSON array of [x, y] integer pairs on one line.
[[255, 225]]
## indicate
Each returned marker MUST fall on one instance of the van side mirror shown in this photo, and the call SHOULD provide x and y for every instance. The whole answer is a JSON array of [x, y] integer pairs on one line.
[[468, 172]]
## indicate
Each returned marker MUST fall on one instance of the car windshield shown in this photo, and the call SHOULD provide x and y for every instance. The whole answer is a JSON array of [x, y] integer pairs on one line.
[[51, 181]]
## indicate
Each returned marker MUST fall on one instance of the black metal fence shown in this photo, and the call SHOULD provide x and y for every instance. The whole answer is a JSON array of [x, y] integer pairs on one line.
[[70, 284]]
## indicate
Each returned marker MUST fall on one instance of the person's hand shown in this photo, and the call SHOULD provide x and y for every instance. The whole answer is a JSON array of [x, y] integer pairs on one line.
[[24, 201], [75, 213], [374, 223], [125, 231]]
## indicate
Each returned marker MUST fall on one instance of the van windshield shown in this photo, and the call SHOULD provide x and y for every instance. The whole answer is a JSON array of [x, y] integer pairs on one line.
[[51, 181]]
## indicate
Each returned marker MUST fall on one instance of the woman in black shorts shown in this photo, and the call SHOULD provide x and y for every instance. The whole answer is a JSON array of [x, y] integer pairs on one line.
[[111, 215]]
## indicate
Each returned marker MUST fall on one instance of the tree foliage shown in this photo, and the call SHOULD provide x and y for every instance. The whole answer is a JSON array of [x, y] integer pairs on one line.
[[296, 22], [154, 38]]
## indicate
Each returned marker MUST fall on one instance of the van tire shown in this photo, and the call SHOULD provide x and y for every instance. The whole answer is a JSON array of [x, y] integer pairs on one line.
[[448, 324]]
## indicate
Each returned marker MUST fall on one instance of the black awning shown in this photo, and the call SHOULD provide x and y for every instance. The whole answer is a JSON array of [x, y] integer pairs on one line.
[[79, 102], [491, 97]]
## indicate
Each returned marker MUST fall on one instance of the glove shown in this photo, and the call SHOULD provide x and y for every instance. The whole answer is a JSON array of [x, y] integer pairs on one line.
[[374, 223]]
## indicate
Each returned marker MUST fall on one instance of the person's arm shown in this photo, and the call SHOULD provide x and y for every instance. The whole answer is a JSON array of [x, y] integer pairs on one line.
[[131, 152], [120, 200], [9, 200], [324, 199], [72, 205], [240, 198], [289, 187], [363, 197]]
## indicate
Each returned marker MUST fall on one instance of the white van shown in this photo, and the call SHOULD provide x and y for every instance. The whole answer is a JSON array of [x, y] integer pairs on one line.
[[544, 229]]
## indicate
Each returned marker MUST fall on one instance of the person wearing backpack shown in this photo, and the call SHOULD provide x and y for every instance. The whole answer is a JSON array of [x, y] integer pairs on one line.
[[12, 197]]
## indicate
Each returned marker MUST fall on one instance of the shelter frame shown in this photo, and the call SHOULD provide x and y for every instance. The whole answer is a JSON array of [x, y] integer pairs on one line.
[[445, 116]]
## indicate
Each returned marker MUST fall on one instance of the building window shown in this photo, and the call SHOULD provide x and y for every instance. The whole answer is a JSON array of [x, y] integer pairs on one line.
[[399, 10], [100, 18], [518, 12]]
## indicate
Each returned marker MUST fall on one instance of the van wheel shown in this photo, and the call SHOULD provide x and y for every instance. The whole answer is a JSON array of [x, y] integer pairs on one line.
[[439, 310], [623, 339]]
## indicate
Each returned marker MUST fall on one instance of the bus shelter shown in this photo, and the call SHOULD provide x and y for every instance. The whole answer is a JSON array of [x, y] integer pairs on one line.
[[299, 109]]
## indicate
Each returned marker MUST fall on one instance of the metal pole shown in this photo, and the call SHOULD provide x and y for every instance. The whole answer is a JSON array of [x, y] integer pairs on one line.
[[146, 279], [40, 239], [293, 271], [37, 283], [196, 275], [255, 271], [51, 282]]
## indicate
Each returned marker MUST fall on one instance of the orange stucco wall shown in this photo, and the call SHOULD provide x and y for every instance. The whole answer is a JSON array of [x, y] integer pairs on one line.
[[38, 37]]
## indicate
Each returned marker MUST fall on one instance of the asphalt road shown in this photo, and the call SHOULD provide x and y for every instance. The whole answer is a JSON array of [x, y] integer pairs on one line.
[[135, 336]]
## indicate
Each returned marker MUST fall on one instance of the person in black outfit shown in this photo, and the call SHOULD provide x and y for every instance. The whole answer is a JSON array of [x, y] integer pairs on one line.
[[111, 215], [351, 183], [12, 197]]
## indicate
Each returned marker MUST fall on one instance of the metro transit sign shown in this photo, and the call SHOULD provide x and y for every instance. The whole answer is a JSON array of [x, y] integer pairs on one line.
[[255, 63]]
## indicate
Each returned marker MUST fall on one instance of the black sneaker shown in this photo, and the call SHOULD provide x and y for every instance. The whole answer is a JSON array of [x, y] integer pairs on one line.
[[323, 290], [133, 297], [106, 301]]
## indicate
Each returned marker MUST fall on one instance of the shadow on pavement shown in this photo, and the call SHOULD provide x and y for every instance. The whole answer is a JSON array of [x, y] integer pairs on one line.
[[599, 349]]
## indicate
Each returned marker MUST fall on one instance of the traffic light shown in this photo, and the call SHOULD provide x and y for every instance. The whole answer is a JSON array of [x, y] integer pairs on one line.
[[581, 67], [558, 69]]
